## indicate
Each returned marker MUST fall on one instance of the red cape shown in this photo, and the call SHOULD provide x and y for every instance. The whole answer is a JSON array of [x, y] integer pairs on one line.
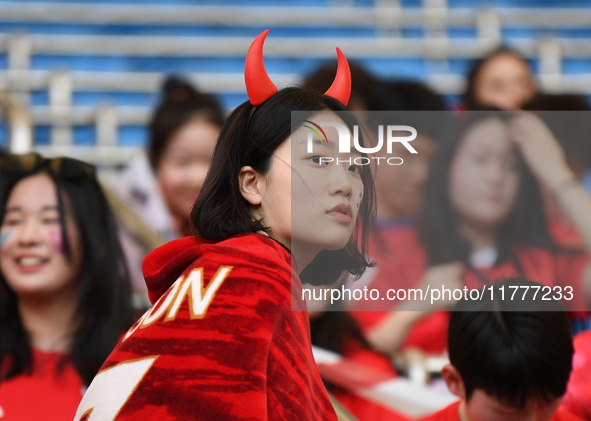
[[221, 341]]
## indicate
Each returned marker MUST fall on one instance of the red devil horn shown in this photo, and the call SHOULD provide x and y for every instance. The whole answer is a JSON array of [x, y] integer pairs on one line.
[[258, 84], [341, 87]]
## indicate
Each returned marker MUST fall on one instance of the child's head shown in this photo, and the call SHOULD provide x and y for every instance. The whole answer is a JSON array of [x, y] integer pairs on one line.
[[183, 134], [510, 359]]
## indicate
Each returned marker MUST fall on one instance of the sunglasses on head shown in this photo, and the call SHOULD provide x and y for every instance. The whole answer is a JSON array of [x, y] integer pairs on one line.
[[67, 168]]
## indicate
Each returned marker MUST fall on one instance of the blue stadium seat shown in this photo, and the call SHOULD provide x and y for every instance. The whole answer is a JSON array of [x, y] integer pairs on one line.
[[411, 67]]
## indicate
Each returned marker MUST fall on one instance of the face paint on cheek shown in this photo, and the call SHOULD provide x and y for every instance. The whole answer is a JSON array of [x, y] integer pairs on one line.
[[55, 238], [358, 197], [4, 236]]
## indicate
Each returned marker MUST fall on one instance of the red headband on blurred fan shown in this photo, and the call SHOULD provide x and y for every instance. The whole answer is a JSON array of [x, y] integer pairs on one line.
[[260, 87]]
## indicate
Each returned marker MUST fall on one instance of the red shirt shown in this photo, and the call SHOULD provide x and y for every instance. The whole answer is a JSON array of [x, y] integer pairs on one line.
[[390, 238], [395, 247], [45, 394], [578, 394], [451, 413], [221, 341], [430, 334], [565, 233]]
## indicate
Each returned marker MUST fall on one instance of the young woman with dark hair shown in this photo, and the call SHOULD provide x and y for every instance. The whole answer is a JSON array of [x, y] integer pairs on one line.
[[483, 220], [160, 186], [501, 79], [64, 288], [228, 336], [183, 133]]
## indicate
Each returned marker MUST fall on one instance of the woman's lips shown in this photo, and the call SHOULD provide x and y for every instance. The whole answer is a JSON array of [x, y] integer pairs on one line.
[[343, 213], [30, 264], [494, 198], [340, 216]]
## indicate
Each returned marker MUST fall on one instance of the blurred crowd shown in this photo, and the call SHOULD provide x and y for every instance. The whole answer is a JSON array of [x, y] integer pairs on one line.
[[495, 191]]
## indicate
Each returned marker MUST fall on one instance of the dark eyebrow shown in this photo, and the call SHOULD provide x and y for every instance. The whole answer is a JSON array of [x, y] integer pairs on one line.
[[331, 145], [49, 208], [20, 209]]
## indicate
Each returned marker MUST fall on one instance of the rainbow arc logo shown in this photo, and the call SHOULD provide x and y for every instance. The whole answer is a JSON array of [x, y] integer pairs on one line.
[[325, 140]]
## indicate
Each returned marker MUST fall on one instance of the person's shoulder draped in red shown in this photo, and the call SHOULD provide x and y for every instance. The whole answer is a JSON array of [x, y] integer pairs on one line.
[[220, 342]]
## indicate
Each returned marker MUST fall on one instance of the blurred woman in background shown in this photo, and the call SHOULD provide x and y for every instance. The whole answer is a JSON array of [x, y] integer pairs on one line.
[[160, 188], [64, 286], [502, 79], [484, 220]]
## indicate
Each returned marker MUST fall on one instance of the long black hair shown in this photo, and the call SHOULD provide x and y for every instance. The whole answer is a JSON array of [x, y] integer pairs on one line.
[[249, 138], [104, 309], [526, 224]]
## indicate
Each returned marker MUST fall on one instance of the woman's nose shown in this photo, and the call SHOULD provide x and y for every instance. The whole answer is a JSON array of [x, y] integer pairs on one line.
[[29, 232], [340, 182], [496, 170]]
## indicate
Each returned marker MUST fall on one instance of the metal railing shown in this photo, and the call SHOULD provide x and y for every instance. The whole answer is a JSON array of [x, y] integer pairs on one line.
[[387, 17]]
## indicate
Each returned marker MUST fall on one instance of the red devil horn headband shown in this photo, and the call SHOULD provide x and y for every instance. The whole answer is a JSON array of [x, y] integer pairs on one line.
[[260, 87]]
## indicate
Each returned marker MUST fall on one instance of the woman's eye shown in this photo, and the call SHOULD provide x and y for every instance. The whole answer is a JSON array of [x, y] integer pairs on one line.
[[316, 159], [12, 222], [356, 169], [51, 220]]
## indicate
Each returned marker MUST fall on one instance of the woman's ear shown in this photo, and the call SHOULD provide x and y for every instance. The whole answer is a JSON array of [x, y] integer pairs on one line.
[[251, 185], [454, 381]]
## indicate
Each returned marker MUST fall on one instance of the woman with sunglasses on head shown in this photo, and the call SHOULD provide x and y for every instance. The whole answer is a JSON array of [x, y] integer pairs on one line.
[[228, 335], [64, 289]]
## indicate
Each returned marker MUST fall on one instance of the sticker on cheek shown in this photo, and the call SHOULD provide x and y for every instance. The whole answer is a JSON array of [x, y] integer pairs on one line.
[[55, 238], [4, 236], [358, 197]]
